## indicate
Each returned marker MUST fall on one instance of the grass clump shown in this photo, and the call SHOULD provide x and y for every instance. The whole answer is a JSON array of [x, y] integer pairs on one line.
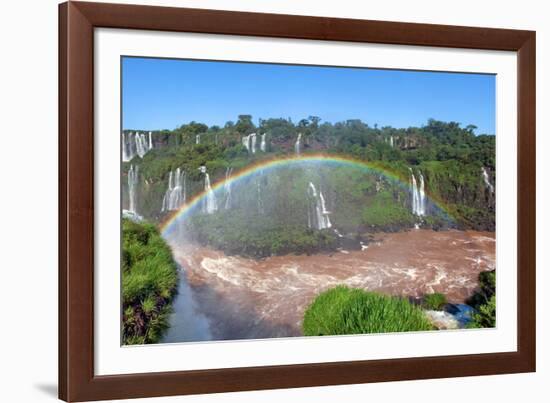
[[344, 310], [149, 281], [434, 301]]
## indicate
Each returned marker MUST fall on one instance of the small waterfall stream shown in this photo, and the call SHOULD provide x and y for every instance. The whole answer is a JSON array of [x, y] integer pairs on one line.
[[418, 194], [176, 194], [318, 215], [262, 143], [298, 144], [485, 176], [133, 181], [250, 143], [210, 204]]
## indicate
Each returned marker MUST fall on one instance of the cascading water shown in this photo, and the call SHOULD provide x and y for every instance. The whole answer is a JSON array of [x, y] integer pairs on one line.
[[391, 141], [250, 143], [133, 180], [418, 195], [263, 143], [246, 143], [253, 142], [210, 204], [227, 188], [136, 144], [298, 144], [175, 195], [318, 215], [197, 139], [485, 176], [142, 146], [125, 151], [422, 196]]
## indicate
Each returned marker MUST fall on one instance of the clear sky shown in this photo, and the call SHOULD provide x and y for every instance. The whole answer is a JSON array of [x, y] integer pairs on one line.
[[165, 93]]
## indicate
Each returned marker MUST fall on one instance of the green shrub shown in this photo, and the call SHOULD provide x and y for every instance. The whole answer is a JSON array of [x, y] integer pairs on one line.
[[434, 301], [485, 315], [484, 301], [149, 281], [344, 310]]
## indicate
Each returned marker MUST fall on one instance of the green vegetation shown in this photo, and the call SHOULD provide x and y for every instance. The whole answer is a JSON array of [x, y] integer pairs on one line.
[[382, 213], [149, 281], [484, 301], [449, 156], [257, 236], [434, 301], [344, 310]]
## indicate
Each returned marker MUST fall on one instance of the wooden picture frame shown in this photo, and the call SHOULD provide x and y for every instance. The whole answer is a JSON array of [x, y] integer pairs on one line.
[[77, 21]]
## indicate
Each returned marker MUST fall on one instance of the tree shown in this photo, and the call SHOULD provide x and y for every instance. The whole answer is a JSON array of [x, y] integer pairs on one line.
[[245, 125]]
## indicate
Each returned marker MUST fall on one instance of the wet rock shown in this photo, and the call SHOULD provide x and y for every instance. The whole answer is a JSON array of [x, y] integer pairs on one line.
[[442, 320]]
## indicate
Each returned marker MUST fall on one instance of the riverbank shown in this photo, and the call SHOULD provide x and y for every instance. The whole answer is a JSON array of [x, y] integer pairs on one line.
[[149, 283]]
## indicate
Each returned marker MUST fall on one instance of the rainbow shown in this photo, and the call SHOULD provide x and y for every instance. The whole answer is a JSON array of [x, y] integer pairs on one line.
[[274, 163]]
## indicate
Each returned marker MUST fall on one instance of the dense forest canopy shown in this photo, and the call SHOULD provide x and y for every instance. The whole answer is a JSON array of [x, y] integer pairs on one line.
[[457, 166]]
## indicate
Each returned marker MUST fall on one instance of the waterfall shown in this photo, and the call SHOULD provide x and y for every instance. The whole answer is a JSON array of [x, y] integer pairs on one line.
[[422, 196], [142, 146], [253, 142], [298, 143], [198, 139], [136, 144], [418, 195], [262, 143], [318, 215], [227, 187], [246, 143], [250, 143], [133, 180], [125, 151], [485, 176], [175, 195], [391, 141], [210, 204]]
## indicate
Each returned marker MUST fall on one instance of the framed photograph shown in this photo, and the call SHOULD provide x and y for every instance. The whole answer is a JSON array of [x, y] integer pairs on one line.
[[255, 201]]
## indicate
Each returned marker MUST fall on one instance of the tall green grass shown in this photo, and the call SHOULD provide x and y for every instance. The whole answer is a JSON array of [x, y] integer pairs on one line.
[[344, 310], [149, 281], [434, 301]]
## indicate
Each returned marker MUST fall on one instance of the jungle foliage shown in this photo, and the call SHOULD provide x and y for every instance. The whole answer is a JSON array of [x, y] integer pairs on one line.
[[149, 282]]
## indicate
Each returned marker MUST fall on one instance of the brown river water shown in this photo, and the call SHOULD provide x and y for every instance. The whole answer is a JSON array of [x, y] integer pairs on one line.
[[230, 297]]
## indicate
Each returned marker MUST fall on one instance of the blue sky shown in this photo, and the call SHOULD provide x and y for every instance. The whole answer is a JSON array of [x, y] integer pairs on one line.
[[166, 93]]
